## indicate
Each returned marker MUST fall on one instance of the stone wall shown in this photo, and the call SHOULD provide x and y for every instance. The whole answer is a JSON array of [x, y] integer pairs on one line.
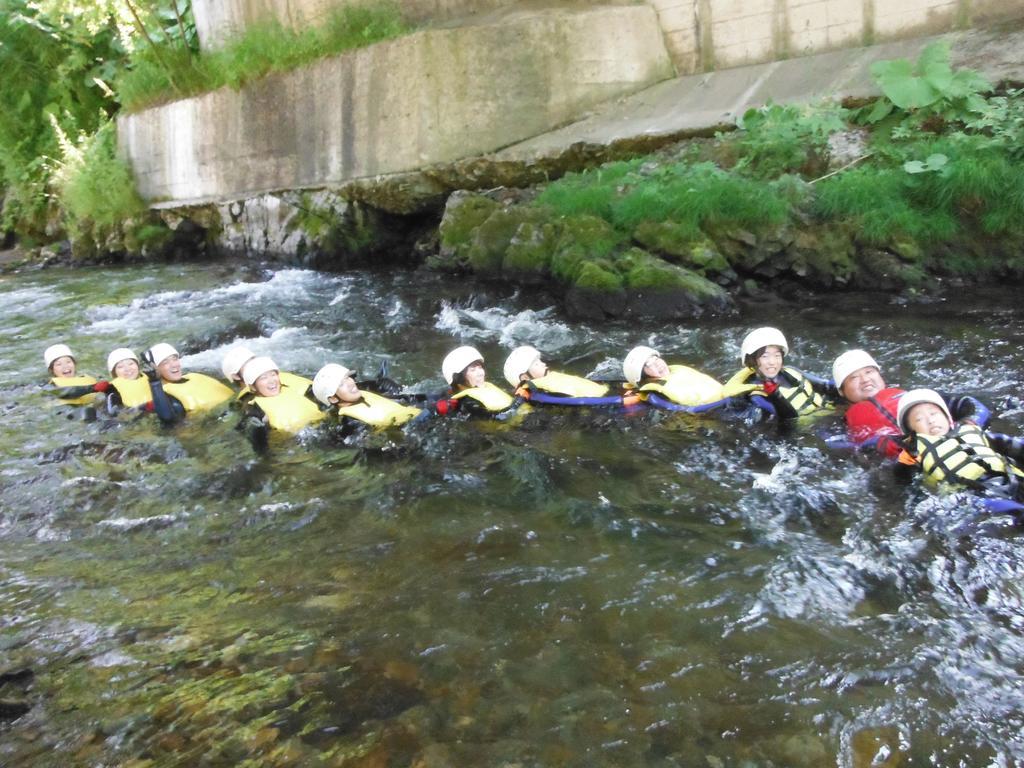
[[701, 35], [432, 97]]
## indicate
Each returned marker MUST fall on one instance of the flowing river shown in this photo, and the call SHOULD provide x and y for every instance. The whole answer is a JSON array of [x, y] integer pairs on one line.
[[567, 589]]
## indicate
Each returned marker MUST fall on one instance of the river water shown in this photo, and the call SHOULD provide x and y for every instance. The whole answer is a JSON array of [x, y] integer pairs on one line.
[[569, 589]]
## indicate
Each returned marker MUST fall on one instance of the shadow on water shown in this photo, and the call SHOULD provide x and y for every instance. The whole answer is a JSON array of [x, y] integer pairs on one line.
[[587, 589]]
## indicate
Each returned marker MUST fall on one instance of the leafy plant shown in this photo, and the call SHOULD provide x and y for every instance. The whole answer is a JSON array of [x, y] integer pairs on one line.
[[777, 139], [929, 89]]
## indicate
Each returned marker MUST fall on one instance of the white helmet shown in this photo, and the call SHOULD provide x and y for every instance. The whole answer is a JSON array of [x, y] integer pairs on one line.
[[119, 355], [848, 362], [233, 362], [633, 365], [762, 337], [327, 381], [518, 362], [256, 368], [55, 352], [160, 352], [458, 360], [915, 397]]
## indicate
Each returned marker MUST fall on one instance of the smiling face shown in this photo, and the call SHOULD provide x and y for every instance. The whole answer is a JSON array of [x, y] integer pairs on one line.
[[655, 368], [475, 374], [863, 383], [347, 391], [63, 367], [769, 361], [267, 384], [927, 419], [127, 369], [169, 369]]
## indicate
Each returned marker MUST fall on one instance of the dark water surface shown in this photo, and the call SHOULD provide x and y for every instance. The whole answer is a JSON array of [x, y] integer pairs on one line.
[[571, 589]]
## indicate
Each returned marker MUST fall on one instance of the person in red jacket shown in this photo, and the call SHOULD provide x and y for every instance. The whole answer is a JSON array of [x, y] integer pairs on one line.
[[871, 421]]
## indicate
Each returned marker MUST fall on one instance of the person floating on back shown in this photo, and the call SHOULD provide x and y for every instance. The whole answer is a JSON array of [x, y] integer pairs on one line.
[[959, 455], [356, 408], [70, 387], [871, 419], [233, 367], [186, 393], [778, 389], [471, 393], [532, 380], [670, 387], [274, 404], [128, 388]]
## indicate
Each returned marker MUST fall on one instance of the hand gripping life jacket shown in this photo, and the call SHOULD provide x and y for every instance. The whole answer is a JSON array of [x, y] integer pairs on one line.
[[686, 386], [963, 455], [198, 392], [133, 392], [489, 396], [75, 381], [565, 385], [290, 410], [874, 417], [378, 411]]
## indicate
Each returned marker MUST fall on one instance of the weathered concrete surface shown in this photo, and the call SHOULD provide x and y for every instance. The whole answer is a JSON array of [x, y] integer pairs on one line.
[[701, 35], [432, 97], [700, 103]]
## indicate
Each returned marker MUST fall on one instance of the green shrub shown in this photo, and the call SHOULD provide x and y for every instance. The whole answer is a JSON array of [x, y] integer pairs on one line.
[[95, 187]]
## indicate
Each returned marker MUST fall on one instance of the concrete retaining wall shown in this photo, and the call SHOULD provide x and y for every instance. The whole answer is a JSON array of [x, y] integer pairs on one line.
[[701, 35], [432, 97]]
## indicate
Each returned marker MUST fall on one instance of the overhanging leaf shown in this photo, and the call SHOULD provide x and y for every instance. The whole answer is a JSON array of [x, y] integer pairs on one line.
[[903, 88]]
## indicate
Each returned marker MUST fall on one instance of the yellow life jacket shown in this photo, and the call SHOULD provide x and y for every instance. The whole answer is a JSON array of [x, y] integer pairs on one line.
[[133, 392], [378, 411], [794, 387], [489, 396], [198, 392], [292, 380], [686, 386], [740, 384], [290, 410], [75, 381], [556, 383], [961, 455]]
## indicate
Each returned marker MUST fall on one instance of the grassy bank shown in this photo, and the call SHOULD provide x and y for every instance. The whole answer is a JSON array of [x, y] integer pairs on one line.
[[926, 181]]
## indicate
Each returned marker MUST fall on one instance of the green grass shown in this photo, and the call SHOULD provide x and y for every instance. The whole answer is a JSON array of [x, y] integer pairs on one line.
[[692, 196], [155, 78]]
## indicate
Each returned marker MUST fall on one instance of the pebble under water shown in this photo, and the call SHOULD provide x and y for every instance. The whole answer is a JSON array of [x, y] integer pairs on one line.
[[565, 589]]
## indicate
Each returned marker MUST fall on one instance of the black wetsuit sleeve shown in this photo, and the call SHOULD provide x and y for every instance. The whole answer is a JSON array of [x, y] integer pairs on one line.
[[168, 409], [114, 402], [1011, 447], [967, 408], [255, 428]]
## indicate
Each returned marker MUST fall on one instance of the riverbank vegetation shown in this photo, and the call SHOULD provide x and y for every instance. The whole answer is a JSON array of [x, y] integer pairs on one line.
[[925, 181], [70, 66], [167, 71]]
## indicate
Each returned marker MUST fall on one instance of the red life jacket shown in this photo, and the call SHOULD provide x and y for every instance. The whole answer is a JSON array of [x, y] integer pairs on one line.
[[875, 417]]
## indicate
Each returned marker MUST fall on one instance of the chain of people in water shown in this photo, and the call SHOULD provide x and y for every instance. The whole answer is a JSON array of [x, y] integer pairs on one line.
[[945, 436]]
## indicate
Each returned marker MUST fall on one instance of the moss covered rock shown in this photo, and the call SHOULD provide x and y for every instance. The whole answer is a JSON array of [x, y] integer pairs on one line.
[[529, 253], [463, 214], [492, 239]]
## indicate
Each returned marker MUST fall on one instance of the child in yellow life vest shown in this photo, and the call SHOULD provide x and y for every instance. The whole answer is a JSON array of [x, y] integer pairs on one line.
[[274, 404], [233, 367], [772, 386], [959, 454], [356, 408], [532, 380], [70, 387], [471, 393], [674, 388], [175, 393], [127, 387]]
